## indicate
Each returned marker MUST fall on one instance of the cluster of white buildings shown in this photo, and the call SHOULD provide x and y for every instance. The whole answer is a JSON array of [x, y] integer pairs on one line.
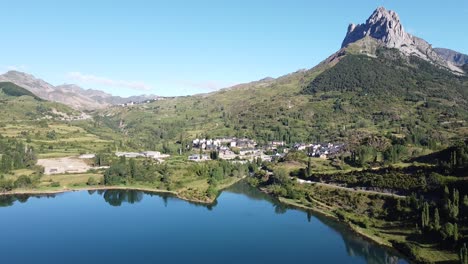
[[229, 149], [246, 149], [321, 150], [142, 102], [145, 154], [214, 144]]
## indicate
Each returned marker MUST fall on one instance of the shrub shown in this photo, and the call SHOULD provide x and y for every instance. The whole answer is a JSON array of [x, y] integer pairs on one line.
[[23, 181], [91, 181]]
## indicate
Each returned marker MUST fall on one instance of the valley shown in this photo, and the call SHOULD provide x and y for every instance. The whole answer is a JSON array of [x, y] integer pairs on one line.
[[375, 137]]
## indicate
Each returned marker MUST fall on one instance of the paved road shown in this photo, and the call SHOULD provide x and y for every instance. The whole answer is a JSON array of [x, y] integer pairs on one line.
[[349, 189]]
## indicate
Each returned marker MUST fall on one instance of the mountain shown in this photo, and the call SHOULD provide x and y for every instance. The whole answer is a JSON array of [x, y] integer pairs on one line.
[[383, 82], [385, 27], [455, 57], [69, 94], [11, 89], [19, 104]]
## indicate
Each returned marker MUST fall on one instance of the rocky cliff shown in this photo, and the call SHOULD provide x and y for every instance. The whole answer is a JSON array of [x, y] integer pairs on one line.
[[385, 26]]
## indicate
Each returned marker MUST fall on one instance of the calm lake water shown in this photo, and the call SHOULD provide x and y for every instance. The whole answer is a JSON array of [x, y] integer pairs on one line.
[[245, 226]]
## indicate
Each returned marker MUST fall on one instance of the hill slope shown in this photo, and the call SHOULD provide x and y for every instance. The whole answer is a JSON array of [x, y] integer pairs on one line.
[[69, 94], [368, 88], [19, 104], [12, 89]]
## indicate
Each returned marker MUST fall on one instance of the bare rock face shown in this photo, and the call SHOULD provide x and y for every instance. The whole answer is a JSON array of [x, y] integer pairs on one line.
[[385, 26], [455, 57]]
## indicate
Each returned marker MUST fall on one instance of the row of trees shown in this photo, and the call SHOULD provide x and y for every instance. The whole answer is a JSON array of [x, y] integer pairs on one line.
[[443, 221]]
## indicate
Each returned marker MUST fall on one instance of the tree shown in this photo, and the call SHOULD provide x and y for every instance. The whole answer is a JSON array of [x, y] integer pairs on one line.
[[52, 135], [281, 177], [425, 218], [6, 164], [446, 192], [309, 168], [448, 231], [23, 181], [101, 159], [133, 168], [6, 185], [454, 205], [214, 155], [463, 255], [436, 219]]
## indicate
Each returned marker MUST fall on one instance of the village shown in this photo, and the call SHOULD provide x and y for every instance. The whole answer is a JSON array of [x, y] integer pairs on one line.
[[238, 150], [244, 149]]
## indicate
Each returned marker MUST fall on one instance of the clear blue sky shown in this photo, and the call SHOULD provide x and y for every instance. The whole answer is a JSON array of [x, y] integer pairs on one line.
[[186, 47]]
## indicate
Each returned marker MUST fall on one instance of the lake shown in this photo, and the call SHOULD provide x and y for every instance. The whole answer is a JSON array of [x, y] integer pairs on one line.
[[244, 226]]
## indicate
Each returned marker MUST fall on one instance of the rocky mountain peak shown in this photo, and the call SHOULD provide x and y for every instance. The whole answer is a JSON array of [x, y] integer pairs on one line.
[[385, 27]]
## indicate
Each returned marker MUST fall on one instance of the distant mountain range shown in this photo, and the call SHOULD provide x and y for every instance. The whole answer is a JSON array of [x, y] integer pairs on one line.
[[69, 94]]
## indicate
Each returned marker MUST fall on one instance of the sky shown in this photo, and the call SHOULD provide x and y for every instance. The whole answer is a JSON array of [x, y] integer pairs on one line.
[[173, 48]]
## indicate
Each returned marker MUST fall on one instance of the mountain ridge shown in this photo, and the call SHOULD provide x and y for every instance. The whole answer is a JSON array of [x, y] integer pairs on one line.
[[69, 94], [455, 57]]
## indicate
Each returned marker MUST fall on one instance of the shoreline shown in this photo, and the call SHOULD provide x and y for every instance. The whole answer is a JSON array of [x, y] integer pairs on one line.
[[116, 187], [349, 226], [285, 201]]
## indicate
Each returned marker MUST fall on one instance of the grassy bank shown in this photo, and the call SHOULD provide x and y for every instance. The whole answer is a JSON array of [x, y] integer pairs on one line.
[[193, 191], [395, 235]]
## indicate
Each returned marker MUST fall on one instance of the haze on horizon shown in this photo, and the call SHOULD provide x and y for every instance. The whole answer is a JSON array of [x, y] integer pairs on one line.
[[180, 48]]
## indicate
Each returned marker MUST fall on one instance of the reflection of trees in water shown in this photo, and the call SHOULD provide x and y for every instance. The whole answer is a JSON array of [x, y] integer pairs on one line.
[[356, 246], [117, 197], [242, 187], [246, 189], [9, 200]]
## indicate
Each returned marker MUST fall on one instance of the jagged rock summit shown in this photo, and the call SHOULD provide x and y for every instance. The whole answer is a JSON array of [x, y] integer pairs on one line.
[[385, 27]]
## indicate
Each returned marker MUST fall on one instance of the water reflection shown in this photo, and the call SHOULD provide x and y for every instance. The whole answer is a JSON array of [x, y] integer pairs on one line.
[[117, 197], [354, 245], [9, 200]]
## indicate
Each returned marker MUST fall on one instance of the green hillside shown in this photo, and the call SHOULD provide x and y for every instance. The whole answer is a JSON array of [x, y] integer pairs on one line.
[[359, 97], [11, 89], [18, 104], [392, 74]]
